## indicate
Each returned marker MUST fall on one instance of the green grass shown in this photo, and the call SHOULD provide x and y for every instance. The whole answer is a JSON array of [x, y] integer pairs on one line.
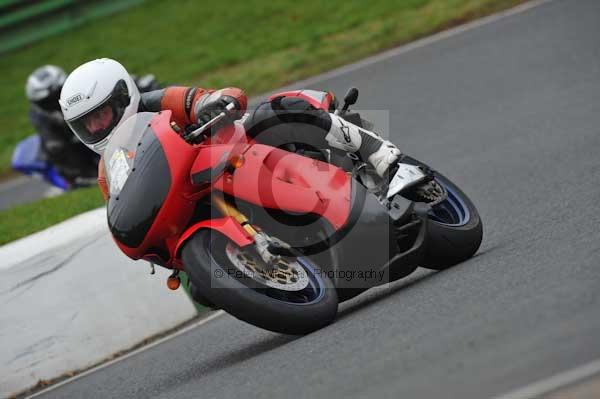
[[26, 219], [257, 45]]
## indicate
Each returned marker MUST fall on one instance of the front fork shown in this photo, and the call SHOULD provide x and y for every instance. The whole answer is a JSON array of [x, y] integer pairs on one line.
[[229, 210], [269, 248], [260, 239]]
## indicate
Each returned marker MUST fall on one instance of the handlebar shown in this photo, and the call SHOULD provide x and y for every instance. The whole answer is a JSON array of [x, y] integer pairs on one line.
[[202, 129]]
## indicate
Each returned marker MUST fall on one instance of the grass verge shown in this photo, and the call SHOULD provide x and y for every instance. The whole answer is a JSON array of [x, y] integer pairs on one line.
[[255, 45], [23, 220]]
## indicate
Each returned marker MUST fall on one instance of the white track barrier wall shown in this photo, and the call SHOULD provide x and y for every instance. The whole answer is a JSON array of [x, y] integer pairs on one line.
[[69, 299]]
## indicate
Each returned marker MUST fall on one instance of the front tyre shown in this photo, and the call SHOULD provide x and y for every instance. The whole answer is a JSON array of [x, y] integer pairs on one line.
[[209, 258]]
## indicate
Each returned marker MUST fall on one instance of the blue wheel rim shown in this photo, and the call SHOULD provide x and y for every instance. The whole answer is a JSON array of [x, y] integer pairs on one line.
[[452, 211]]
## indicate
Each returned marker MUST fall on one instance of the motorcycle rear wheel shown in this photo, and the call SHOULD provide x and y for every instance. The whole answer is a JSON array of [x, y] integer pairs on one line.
[[454, 230]]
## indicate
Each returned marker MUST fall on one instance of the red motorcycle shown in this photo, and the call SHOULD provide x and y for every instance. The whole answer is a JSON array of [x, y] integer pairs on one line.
[[277, 236]]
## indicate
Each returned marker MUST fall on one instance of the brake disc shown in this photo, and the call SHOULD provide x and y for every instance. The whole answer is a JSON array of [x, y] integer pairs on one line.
[[285, 274]]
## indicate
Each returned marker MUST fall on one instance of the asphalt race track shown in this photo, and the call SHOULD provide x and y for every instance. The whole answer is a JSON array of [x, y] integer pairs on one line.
[[511, 111], [24, 189]]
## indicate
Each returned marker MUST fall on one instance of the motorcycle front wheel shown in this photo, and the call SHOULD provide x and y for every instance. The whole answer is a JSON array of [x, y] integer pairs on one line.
[[292, 297]]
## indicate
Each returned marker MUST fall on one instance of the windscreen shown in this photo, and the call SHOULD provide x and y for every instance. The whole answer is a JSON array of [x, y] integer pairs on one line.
[[120, 153]]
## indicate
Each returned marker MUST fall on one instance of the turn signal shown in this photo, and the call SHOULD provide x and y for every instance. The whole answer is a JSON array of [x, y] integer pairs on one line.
[[173, 282], [236, 161]]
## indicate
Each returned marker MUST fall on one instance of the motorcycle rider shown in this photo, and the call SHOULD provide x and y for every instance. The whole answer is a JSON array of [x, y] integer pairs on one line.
[[59, 147], [100, 94]]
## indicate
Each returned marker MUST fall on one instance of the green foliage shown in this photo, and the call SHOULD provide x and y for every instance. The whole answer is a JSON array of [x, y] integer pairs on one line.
[[255, 44]]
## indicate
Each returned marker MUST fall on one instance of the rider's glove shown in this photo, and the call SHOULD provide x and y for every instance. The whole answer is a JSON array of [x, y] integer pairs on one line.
[[213, 108]]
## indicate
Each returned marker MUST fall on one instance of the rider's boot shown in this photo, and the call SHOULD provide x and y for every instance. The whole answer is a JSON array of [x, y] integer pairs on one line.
[[380, 153]]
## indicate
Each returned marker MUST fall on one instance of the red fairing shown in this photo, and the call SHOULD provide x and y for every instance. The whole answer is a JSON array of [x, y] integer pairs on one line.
[[277, 179], [227, 226], [318, 99], [218, 149], [268, 177], [176, 210]]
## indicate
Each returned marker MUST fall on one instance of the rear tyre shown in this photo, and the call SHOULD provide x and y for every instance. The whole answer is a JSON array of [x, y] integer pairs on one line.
[[207, 262], [454, 230]]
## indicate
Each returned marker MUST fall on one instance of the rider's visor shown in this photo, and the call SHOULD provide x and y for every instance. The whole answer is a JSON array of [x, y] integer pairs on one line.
[[95, 125]]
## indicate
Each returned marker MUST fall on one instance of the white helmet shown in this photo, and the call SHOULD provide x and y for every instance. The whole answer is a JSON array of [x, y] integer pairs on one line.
[[96, 98], [43, 87]]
